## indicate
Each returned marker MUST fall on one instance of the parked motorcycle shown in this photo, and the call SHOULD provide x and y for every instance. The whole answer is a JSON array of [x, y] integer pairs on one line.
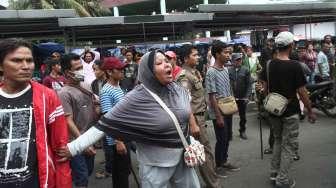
[[323, 97]]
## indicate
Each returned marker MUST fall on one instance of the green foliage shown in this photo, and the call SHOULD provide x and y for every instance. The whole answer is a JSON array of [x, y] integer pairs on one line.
[[83, 8], [19, 5], [147, 7]]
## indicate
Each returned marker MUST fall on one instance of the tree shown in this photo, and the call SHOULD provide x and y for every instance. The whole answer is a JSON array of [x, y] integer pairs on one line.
[[36, 4], [147, 7], [83, 8]]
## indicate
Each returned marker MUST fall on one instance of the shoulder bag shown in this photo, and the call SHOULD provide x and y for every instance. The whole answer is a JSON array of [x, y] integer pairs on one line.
[[194, 154], [227, 105], [274, 103]]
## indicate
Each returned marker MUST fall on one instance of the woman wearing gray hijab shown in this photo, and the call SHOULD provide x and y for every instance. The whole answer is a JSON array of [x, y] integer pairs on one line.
[[138, 117]]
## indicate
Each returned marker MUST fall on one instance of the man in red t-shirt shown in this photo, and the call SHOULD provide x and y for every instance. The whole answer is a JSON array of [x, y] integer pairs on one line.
[[54, 80], [172, 60]]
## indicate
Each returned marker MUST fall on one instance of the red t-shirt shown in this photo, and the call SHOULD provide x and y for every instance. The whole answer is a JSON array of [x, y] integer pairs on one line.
[[54, 83], [176, 71]]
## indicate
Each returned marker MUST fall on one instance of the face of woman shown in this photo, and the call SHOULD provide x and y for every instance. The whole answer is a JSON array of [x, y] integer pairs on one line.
[[163, 69], [116, 74], [98, 72], [310, 47]]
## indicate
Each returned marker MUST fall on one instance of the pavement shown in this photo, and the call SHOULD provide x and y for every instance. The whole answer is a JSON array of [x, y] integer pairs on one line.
[[315, 169]]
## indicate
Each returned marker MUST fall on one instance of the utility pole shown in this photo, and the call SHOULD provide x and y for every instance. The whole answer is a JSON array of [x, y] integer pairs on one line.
[[163, 7], [115, 11]]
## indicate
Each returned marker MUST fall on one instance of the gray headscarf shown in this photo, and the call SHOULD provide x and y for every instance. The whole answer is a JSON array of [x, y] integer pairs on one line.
[[138, 117]]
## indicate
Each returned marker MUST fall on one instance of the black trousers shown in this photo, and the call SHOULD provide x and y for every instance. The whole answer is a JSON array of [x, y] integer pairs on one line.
[[223, 137], [271, 138], [242, 104], [121, 168]]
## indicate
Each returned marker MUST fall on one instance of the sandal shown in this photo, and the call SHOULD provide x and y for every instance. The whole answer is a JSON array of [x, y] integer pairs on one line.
[[268, 151]]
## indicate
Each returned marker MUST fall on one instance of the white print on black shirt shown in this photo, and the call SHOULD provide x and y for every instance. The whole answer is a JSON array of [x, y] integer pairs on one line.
[[16, 125]]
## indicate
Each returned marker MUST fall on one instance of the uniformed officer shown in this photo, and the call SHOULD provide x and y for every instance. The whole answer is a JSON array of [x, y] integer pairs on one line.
[[191, 79]]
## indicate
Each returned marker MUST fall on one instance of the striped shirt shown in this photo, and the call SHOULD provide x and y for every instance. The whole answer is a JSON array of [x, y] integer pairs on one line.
[[109, 97], [217, 81]]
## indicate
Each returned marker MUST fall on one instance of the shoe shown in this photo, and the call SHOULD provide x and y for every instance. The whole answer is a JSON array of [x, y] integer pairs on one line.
[[291, 184], [268, 151], [273, 177], [302, 117], [243, 136], [230, 167], [102, 174], [221, 172], [296, 157]]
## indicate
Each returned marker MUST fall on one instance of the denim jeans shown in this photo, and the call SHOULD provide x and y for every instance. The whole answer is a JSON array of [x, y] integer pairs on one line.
[[108, 152], [223, 137], [82, 167], [179, 176]]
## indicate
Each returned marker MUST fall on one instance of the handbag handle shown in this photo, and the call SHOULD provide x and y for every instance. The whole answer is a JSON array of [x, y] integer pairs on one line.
[[172, 116]]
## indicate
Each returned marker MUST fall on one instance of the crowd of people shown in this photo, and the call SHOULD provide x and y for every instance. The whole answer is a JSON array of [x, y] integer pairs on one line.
[[87, 98]]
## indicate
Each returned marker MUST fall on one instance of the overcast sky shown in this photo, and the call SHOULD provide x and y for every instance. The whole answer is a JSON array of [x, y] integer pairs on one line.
[[5, 2]]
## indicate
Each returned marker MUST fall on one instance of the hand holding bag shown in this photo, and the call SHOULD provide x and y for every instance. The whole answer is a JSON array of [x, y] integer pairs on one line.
[[194, 154]]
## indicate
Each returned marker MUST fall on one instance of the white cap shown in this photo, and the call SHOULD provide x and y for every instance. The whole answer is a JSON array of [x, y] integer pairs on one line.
[[284, 39]]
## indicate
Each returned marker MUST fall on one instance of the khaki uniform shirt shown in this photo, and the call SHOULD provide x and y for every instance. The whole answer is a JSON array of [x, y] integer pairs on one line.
[[191, 79]]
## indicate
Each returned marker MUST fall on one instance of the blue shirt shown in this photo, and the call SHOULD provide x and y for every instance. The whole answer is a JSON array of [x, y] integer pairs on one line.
[[109, 96], [322, 60]]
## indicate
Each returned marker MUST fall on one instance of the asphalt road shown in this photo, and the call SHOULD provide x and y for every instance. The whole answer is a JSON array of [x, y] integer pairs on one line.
[[316, 168]]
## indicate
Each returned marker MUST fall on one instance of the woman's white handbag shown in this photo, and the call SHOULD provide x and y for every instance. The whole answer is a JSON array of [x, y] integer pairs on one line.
[[194, 154], [274, 103]]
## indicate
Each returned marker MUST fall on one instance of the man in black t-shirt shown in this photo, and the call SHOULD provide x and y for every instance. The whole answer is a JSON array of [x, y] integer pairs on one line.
[[32, 124], [130, 73], [21, 145], [286, 127]]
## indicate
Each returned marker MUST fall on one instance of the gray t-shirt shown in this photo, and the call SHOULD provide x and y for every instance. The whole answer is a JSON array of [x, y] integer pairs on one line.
[[79, 105], [217, 81]]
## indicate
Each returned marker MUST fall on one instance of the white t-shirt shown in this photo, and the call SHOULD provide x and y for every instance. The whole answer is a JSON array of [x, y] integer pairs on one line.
[[88, 70]]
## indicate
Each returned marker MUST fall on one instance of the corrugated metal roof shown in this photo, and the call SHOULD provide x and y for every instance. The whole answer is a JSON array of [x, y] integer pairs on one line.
[[52, 13]]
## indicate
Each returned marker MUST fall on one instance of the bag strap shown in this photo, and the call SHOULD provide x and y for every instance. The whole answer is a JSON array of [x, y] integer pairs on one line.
[[268, 86], [172, 115], [228, 74], [87, 92], [267, 72], [83, 90]]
